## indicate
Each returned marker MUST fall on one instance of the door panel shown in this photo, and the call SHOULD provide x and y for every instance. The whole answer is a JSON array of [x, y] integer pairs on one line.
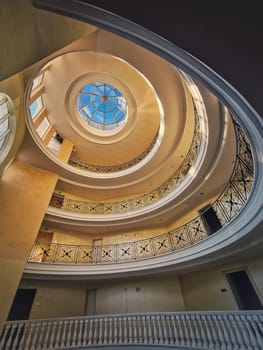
[[22, 304], [243, 290]]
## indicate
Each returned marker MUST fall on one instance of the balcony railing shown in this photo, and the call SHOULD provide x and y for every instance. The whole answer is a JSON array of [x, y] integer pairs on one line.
[[225, 208], [123, 206], [112, 168], [196, 330]]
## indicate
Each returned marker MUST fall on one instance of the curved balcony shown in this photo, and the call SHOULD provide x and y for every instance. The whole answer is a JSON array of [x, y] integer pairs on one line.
[[180, 330], [193, 239], [224, 210]]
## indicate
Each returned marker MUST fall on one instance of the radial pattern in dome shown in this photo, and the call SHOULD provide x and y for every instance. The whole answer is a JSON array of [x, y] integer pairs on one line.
[[102, 106]]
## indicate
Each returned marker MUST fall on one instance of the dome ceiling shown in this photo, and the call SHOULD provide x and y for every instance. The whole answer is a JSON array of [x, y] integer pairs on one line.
[[149, 148], [183, 160], [156, 136], [89, 67]]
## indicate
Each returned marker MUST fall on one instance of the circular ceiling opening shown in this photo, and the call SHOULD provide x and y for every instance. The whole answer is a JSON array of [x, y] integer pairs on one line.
[[102, 106]]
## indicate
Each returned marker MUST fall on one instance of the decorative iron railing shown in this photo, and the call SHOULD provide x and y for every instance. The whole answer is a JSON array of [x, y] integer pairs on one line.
[[196, 330], [138, 202], [113, 168], [225, 208]]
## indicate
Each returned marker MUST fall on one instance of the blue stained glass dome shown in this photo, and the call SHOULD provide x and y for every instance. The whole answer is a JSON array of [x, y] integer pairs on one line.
[[102, 106]]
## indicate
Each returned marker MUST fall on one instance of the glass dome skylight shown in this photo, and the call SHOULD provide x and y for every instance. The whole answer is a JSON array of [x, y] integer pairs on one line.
[[102, 106]]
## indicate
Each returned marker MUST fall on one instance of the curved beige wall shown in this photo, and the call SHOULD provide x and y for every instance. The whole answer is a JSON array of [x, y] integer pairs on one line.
[[14, 88]]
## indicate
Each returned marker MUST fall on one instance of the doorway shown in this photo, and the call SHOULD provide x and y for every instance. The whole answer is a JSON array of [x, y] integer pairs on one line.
[[210, 219], [243, 290], [22, 304], [90, 307]]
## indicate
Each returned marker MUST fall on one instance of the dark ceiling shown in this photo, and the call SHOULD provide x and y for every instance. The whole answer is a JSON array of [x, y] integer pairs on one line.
[[226, 35]]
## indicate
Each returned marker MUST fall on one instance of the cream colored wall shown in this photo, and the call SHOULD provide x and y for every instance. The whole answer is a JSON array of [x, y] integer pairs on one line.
[[86, 238], [202, 290], [69, 238], [256, 273], [56, 298], [22, 208], [195, 291], [142, 295]]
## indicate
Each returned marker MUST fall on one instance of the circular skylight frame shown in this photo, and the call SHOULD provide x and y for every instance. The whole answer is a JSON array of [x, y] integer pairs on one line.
[[7, 125], [102, 106]]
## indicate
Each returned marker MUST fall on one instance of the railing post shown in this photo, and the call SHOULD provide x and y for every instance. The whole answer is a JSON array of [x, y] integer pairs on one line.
[[207, 332], [139, 323], [181, 337], [227, 344], [195, 318], [120, 327], [169, 328], [16, 336], [68, 334], [57, 343], [232, 330], [159, 328], [245, 333], [64, 333], [46, 339], [145, 333], [34, 337], [130, 333], [75, 339], [28, 340], [185, 331], [115, 332], [95, 334], [23, 335], [238, 331], [175, 332], [153, 331], [149, 327], [165, 339], [135, 332], [52, 337], [110, 334], [10, 336], [191, 336], [125, 330], [4, 336], [82, 337], [253, 342], [258, 327], [213, 331], [105, 339], [90, 337], [220, 333], [100, 325]]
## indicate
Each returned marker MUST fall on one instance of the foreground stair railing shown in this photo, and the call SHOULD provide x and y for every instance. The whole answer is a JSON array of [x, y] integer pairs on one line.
[[202, 330]]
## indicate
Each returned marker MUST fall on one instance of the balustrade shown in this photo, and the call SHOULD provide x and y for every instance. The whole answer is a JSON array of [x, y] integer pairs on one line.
[[200, 330]]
